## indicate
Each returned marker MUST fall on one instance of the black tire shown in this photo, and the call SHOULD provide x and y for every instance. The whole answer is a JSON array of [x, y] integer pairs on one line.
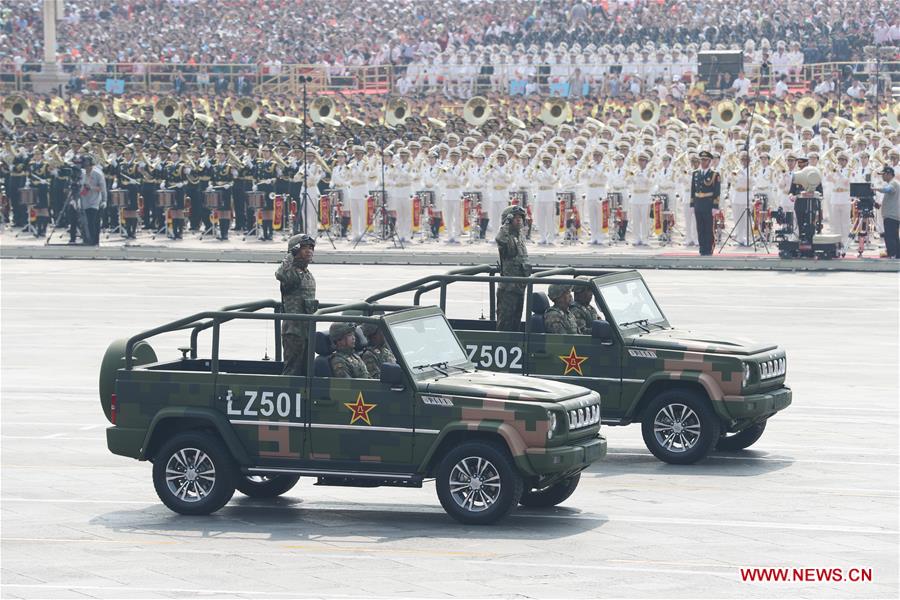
[[197, 495], [685, 415], [742, 439], [266, 486], [501, 482], [551, 496]]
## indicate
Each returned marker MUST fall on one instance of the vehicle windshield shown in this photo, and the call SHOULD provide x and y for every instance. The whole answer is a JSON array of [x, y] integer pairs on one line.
[[631, 304], [428, 343]]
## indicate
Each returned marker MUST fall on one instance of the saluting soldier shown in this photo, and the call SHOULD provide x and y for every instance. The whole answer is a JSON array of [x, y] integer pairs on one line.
[[706, 187], [513, 263], [40, 180], [376, 352], [558, 318], [344, 361], [298, 295], [582, 310]]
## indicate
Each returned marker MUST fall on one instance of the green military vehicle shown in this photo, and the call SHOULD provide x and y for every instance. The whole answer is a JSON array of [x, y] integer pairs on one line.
[[214, 424], [690, 393]]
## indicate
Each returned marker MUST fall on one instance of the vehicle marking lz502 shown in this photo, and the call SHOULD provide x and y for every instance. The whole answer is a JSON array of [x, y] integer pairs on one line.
[[500, 357], [269, 404]]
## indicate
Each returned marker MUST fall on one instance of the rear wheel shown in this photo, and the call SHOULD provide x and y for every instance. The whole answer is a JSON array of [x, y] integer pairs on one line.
[[194, 474], [679, 427], [555, 494], [266, 486], [742, 439], [477, 483]]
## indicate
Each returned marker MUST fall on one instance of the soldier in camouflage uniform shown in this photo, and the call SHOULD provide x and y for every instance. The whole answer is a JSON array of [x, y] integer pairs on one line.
[[298, 294], [581, 308], [344, 361], [513, 262], [377, 351], [558, 318]]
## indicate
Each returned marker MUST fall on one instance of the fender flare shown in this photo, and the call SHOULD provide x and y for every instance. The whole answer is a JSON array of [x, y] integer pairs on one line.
[[710, 386], [511, 437], [214, 418]]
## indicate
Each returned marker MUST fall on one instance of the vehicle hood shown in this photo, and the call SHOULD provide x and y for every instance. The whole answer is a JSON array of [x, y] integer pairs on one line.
[[682, 340], [502, 386]]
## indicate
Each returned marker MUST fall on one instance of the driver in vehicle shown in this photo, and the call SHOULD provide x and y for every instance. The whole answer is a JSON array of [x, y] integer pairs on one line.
[[581, 309], [558, 318], [376, 351], [345, 362]]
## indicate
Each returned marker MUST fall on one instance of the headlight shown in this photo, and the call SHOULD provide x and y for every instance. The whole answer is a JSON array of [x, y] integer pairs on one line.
[[551, 416], [746, 374]]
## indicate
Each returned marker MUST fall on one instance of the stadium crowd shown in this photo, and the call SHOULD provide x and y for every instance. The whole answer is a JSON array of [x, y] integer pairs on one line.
[[271, 33]]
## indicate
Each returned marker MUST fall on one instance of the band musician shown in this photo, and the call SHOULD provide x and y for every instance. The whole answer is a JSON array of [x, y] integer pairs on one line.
[[706, 187]]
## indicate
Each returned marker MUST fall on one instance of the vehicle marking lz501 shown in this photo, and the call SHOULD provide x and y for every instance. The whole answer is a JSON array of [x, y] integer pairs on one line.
[[501, 357], [269, 404]]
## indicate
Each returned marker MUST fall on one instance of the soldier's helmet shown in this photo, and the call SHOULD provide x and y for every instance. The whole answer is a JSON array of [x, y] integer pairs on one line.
[[558, 289], [298, 241], [339, 330], [511, 211], [369, 329]]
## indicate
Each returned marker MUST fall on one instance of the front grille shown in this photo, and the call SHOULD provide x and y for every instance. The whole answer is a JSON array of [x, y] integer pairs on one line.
[[579, 418], [770, 369]]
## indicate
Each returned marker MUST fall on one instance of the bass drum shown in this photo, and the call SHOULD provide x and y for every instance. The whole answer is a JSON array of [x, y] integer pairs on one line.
[[113, 360]]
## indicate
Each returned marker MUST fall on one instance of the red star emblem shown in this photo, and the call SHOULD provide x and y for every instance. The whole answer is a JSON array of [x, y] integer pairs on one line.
[[360, 410], [573, 362]]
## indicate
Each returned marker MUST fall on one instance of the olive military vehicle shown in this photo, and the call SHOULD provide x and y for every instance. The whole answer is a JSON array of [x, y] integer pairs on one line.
[[690, 393], [212, 424]]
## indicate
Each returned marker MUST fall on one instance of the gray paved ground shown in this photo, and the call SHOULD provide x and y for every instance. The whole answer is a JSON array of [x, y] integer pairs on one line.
[[819, 490]]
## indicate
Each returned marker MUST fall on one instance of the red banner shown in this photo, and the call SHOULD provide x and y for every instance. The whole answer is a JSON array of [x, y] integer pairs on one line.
[[278, 206], [657, 217], [187, 207], [467, 208], [325, 211], [370, 212], [562, 215], [604, 216], [417, 213], [32, 215]]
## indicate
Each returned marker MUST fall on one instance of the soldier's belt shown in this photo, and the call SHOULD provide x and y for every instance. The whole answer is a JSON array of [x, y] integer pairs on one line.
[[841, 189], [453, 187], [704, 195], [545, 188], [499, 187], [640, 190]]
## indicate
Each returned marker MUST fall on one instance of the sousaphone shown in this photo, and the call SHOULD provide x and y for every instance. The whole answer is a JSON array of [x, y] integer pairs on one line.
[[15, 107], [245, 112], [477, 111], [725, 114]]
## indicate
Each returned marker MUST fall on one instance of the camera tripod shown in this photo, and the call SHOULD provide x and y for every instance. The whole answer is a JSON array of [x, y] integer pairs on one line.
[[863, 228]]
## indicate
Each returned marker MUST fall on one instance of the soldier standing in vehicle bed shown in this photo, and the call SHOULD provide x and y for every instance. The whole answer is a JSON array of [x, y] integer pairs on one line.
[[298, 295], [581, 309], [514, 263], [344, 361], [558, 318], [377, 351]]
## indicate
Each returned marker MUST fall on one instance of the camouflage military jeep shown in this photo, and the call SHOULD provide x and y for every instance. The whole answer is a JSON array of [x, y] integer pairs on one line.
[[212, 424], [690, 393]]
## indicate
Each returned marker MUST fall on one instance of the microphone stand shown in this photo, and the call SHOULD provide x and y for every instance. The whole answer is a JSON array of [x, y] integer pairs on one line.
[[304, 79], [386, 233], [746, 215]]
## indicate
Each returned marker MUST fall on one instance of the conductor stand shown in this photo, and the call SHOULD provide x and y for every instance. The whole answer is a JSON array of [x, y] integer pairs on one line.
[[305, 200], [388, 229], [746, 218]]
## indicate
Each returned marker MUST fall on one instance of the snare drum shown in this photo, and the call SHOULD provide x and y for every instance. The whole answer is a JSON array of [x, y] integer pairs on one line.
[[118, 198], [256, 200], [165, 198], [28, 196], [211, 198]]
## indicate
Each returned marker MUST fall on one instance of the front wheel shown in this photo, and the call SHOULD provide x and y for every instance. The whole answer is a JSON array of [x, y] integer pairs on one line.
[[477, 483], [551, 496], [194, 474], [742, 439], [266, 486], [679, 427]]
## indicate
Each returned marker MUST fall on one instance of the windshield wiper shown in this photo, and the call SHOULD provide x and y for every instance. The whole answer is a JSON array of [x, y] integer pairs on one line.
[[440, 367], [642, 323]]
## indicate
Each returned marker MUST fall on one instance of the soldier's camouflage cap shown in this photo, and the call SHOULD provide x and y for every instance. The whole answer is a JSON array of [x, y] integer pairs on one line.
[[299, 240], [369, 328], [558, 289], [339, 330]]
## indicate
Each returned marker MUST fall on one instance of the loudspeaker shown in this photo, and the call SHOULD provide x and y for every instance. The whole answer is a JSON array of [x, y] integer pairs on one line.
[[719, 67]]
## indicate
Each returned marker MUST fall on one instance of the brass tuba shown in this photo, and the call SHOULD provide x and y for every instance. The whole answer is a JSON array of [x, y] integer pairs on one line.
[[15, 107], [477, 111], [322, 107], [807, 112], [245, 112], [91, 112], [555, 112], [725, 114], [645, 113], [396, 112], [165, 110]]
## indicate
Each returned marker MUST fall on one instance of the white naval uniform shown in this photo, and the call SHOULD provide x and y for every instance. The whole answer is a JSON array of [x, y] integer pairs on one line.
[[314, 174], [739, 191], [401, 177], [544, 179], [667, 183], [357, 172], [687, 211], [452, 180], [595, 178], [500, 179], [569, 182], [839, 201], [639, 215]]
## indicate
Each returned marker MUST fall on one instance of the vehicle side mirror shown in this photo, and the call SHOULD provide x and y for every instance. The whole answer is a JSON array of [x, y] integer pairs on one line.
[[602, 330], [392, 374]]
